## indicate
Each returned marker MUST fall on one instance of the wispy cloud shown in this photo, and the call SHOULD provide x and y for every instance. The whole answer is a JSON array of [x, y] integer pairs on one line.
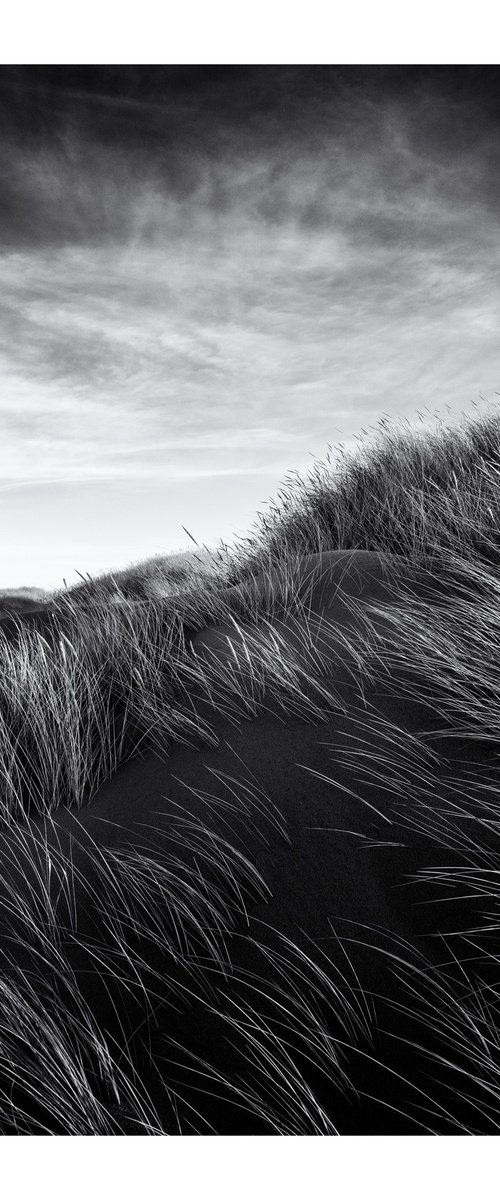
[[193, 292]]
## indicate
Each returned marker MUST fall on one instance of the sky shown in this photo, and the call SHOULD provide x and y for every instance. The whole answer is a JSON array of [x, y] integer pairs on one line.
[[210, 274]]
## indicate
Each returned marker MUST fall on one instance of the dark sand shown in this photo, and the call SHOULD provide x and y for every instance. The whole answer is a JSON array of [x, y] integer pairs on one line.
[[341, 879]]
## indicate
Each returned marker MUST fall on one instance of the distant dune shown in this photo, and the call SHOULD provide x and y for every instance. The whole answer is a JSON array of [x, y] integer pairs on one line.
[[20, 599]]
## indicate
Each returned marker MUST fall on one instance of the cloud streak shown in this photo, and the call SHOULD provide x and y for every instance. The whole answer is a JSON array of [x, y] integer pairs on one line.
[[211, 278]]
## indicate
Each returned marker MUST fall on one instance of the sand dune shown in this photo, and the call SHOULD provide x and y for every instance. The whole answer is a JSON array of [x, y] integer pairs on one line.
[[297, 855]]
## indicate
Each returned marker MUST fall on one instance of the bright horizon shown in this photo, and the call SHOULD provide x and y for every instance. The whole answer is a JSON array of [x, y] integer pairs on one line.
[[211, 274]]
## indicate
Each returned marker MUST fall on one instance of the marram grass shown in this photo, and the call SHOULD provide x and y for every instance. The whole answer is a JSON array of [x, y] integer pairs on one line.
[[114, 958]]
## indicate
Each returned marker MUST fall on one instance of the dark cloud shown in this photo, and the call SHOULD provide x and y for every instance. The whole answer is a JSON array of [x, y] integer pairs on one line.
[[80, 143]]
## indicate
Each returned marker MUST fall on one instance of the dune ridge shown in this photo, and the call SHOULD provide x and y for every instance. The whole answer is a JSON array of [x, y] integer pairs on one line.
[[249, 823]]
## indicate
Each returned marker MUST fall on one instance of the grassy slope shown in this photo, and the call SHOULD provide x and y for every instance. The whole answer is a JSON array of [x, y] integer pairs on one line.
[[100, 682], [73, 706]]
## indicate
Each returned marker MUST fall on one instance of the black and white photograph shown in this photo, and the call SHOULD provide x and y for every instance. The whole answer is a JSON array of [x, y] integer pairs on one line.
[[249, 601]]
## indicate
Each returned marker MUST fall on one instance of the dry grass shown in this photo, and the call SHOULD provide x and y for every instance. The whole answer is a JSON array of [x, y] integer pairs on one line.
[[404, 490], [101, 682]]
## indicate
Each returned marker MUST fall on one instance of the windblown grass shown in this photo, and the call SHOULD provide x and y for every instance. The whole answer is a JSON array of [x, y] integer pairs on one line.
[[77, 700], [403, 490], [114, 958], [154, 579], [82, 693]]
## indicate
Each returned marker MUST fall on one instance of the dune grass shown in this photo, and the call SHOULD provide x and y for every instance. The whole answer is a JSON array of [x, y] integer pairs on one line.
[[405, 489], [77, 699], [102, 681], [101, 685]]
